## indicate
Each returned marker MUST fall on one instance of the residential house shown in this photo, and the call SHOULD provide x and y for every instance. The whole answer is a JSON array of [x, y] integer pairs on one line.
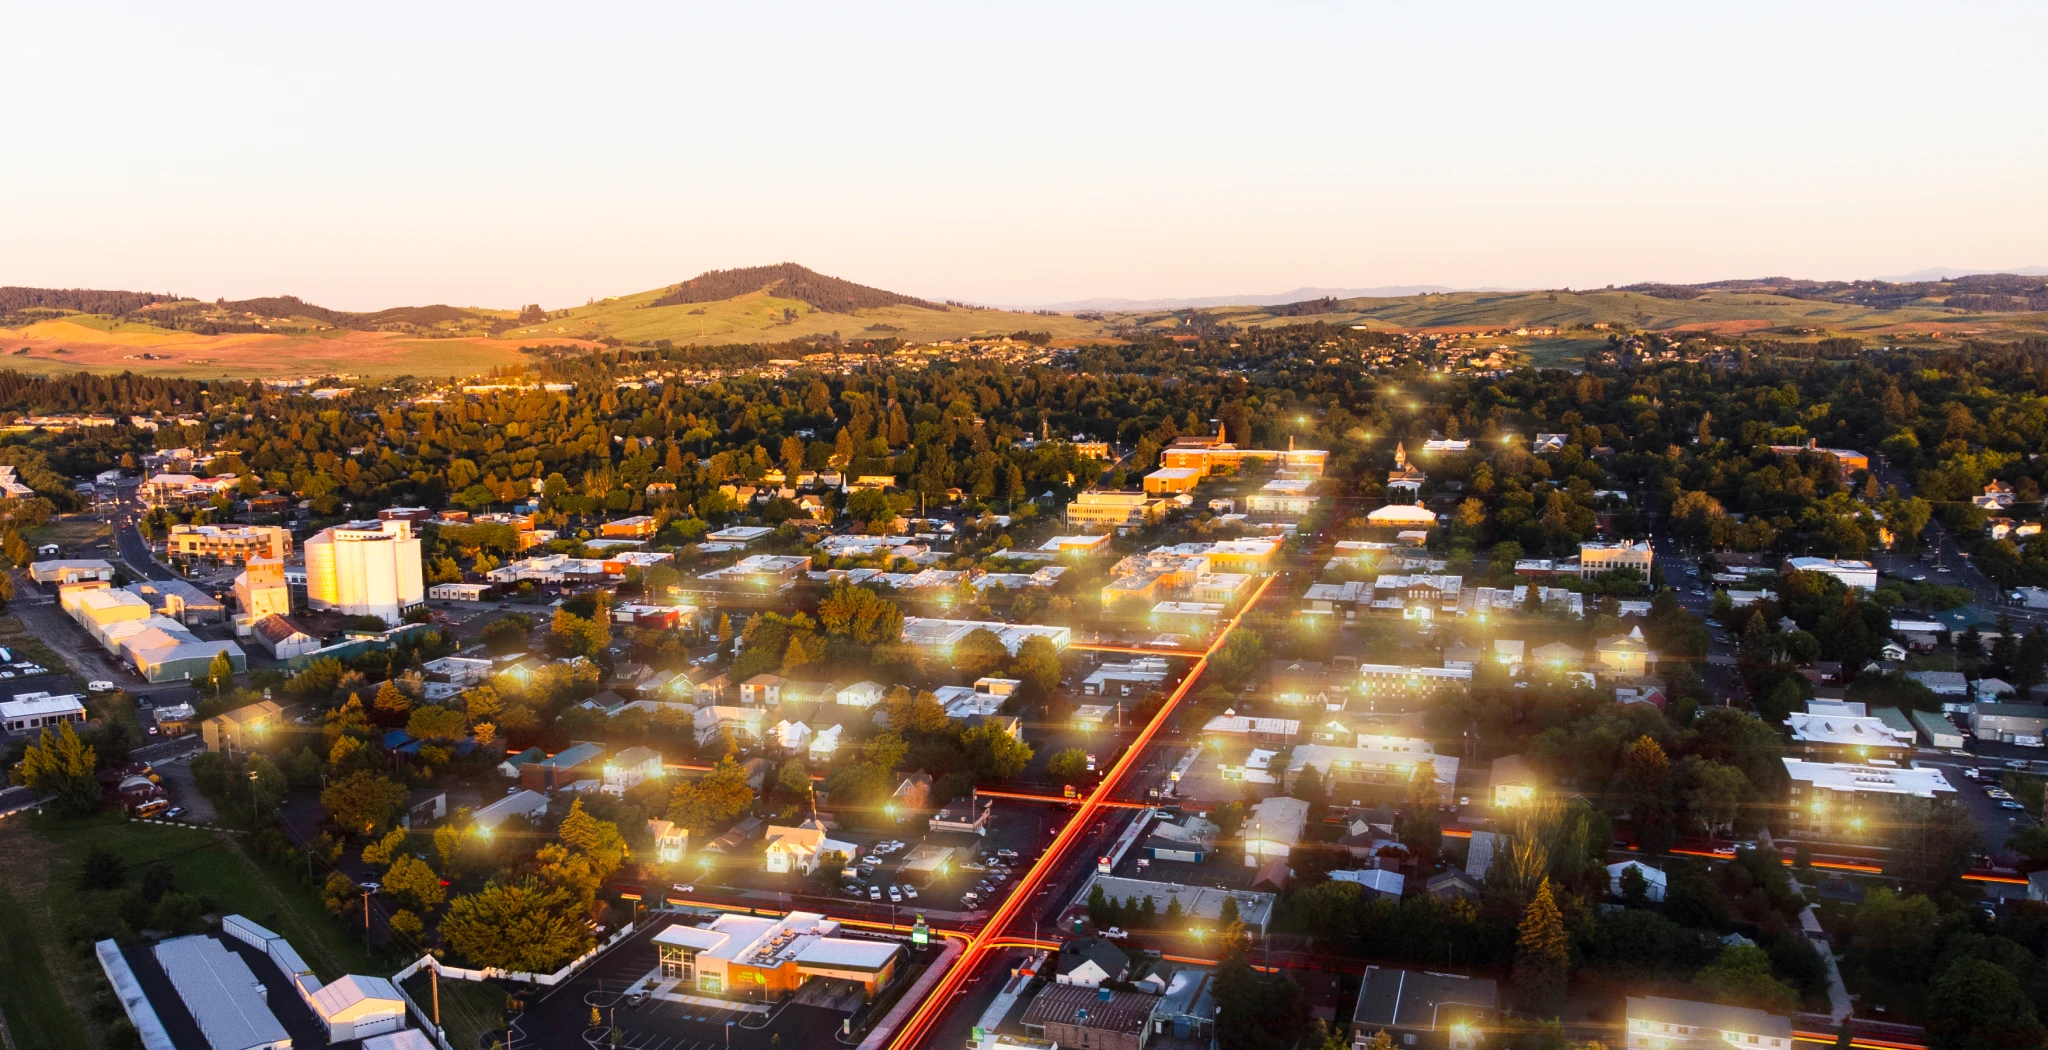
[[1512, 782], [762, 690], [1626, 655], [631, 768], [1272, 827], [1654, 881], [800, 849], [670, 840], [1088, 962]]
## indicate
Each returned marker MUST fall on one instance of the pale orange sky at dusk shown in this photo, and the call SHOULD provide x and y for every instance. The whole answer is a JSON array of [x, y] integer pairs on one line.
[[494, 155]]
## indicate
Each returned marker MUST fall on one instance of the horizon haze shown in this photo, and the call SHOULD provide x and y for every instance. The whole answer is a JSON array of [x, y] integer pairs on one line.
[[459, 155]]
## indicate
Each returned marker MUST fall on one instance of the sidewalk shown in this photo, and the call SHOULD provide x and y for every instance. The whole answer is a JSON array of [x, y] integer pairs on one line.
[[1839, 1005]]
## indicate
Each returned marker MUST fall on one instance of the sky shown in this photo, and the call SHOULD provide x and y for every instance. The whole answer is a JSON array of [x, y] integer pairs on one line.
[[369, 155]]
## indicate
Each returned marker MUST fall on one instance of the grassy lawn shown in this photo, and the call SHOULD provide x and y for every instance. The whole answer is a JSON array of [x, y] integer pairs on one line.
[[46, 992], [76, 532], [468, 1008], [56, 996]]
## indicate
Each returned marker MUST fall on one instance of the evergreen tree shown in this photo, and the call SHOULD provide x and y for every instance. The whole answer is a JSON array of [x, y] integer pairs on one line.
[[1542, 954]]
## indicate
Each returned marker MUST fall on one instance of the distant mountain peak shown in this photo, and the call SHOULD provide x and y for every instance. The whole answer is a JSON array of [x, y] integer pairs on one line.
[[787, 281]]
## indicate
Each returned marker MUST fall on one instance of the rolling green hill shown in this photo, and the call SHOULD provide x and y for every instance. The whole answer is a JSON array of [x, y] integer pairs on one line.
[[776, 303], [1981, 305]]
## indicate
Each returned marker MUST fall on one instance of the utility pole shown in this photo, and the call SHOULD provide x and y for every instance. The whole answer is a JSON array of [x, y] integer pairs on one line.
[[434, 978], [366, 919]]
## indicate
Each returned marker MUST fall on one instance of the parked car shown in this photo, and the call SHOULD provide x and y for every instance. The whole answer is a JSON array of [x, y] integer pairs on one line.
[[683, 887], [1115, 933], [910, 892], [2010, 804], [637, 999], [874, 893], [895, 895], [174, 812]]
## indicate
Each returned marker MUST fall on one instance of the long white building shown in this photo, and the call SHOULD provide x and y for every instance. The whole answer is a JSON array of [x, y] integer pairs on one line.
[[365, 568]]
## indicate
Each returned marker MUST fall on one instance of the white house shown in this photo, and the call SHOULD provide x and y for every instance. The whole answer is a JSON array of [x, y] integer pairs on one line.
[[798, 849], [1654, 881], [630, 768], [791, 736], [1388, 884], [824, 743], [670, 841], [860, 694], [1271, 829]]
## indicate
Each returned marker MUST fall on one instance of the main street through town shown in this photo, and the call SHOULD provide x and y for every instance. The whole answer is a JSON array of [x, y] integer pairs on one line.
[[1086, 824]]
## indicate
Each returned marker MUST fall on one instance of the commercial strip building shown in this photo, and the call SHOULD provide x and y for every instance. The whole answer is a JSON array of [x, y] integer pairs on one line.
[[237, 543], [1656, 1023], [759, 958], [940, 635], [1217, 455], [1856, 575], [1197, 903], [1596, 558], [1114, 510], [1432, 1011], [71, 570], [1076, 1015], [32, 712], [365, 568]]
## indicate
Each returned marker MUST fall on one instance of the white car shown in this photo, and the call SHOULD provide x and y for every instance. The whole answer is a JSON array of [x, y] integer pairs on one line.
[[910, 892], [895, 895], [1115, 933]]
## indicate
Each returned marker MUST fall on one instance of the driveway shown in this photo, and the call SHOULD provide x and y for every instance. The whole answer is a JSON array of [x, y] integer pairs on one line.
[[176, 775]]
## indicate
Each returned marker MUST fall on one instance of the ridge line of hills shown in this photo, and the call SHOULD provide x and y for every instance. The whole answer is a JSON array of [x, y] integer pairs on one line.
[[2022, 286]]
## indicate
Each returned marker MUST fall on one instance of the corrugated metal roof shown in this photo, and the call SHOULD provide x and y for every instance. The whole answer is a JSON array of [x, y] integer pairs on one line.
[[221, 993]]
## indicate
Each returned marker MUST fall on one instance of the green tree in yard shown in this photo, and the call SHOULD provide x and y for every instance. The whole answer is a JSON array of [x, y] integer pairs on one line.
[[1037, 665], [1741, 976], [1419, 825], [433, 722], [1542, 954], [523, 926], [1714, 794], [407, 925], [268, 784], [221, 671], [1068, 766], [1979, 1005], [981, 653], [386, 849], [994, 754], [1243, 653], [1098, 907], [413, 882], [339, 893], [363, 801], [61, 764]]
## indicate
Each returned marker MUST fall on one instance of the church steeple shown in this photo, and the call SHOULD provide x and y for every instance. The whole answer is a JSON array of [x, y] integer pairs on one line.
[[1400, 455]]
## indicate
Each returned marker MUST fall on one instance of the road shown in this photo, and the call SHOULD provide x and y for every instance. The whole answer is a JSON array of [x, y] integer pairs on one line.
[[1088, 826], [1724, 684], [128, 541]]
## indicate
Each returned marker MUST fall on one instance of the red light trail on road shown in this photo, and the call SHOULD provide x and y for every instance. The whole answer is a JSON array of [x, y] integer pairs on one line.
[[939, 998]]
